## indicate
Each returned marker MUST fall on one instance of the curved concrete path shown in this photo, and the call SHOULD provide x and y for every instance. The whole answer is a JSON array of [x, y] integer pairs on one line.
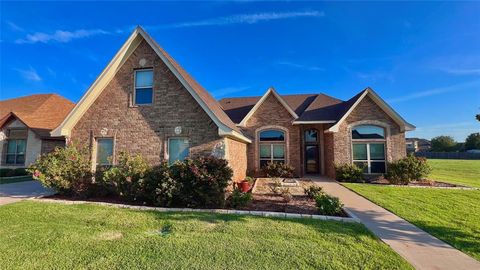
[[419, 248], [14, 192]]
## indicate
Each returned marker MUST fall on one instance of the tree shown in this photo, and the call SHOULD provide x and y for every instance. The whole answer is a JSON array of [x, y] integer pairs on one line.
[[443, 144], [478, 117], [472, 141]]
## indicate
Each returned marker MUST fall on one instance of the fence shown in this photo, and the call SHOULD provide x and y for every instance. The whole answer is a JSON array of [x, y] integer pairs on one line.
[[448, 155]]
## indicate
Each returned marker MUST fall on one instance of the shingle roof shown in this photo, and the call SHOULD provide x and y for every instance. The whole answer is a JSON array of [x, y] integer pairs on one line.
[[309, 107], [41, 113]]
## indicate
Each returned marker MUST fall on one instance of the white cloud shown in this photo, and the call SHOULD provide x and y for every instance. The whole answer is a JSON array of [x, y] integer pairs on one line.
[[246, 19], [466, 71], [299, 66], [228, 90], [29, 74], [14, 27], [60, 36], [437, 91]]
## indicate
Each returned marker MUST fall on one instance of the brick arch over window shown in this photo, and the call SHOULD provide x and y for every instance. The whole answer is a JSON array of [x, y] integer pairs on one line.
[[257, 142]]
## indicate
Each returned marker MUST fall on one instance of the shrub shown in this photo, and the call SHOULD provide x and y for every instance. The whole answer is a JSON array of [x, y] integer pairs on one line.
[[273, 169], [408, 169], [349, 173], [127, 176], [13, 172], [328, 205], [159, 187], [250, 180], [286, 195], [239, 199], [313, 191], [201, 182], [66, 170]]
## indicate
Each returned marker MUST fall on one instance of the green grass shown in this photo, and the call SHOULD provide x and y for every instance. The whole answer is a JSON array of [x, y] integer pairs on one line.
[[15, 179], [463, 172], [36, 235], [451, 215]]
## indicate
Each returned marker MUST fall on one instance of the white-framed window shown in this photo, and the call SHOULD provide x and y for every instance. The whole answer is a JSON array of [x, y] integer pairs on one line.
[[104, 151], [178, 149], [15, 152], [143, 94], [368, 148], [272, 146]]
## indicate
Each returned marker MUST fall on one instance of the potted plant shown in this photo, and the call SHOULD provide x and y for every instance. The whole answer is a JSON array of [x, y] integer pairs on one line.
[[244, 186]]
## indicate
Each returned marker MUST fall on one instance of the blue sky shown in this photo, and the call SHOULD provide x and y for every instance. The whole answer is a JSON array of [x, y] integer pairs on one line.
[[423, 58]]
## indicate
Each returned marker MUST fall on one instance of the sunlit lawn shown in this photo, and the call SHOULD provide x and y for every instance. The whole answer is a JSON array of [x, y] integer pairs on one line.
[[456, 171]]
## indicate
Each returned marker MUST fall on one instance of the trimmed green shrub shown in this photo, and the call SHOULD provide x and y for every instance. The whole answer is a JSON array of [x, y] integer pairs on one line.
[[408, 169], [201, 182], [66, 170], [127, 176], [328, 205], [313, 191], [348, 173], [239, 199], [283, 170], [159, 187]]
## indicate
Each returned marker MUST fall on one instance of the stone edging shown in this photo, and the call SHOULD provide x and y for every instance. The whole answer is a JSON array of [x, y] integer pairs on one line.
[[352, 217]]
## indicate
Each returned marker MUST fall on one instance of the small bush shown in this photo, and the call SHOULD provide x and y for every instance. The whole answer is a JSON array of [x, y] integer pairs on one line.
[[201, 182], [127, 176], [286, 195], [328, 205], [239, 199], [313, 191], [408, 169], [349, 173], [13, 172], [66, 170], [159, 187], [283, 170]]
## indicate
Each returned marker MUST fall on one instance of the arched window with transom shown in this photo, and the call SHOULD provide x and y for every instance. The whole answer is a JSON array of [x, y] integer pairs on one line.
[[272, 146], [368, 148]]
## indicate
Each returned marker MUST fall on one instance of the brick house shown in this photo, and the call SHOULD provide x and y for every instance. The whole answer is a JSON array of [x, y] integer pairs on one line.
[[144, 102], [25, 125]]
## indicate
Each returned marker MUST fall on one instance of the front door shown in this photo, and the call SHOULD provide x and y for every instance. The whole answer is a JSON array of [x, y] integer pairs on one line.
[[311, 159]]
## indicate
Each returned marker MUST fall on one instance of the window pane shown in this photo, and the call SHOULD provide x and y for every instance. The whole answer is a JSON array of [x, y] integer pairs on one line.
[[178, 149], [368, 132], [104, 151], [263, 163], [20, 146], [278, 151], [10, 159], [377, 167], [144, 78], [17, 133], [12, 146], [377, 151], [363, 165], [311, 135], [272, 135], [20, 159], [265, 151], [143, 96], [360, 151]]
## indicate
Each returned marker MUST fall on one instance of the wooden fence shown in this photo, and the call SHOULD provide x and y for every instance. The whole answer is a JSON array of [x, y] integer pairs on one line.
[[448, 155]]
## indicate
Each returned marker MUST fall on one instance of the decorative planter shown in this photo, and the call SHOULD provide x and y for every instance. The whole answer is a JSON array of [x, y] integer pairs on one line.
[[244, 186]]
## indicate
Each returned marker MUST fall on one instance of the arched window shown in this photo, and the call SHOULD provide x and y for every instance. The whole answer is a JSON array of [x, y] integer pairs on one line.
[[272, 146], [368, 145]]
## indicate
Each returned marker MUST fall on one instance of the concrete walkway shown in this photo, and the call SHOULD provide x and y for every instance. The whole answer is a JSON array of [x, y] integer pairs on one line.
[[419, 248], [14, 192]]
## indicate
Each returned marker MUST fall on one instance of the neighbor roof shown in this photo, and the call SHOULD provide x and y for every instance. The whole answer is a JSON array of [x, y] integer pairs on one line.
[[42, 112]]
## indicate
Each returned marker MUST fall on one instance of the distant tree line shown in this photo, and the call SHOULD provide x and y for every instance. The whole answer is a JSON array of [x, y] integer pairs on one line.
[[448, 144]]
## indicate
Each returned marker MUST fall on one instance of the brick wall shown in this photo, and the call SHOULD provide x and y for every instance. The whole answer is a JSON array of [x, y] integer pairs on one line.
[[237, 158], [50, 145], [367, 112], [272, 114], [145, 129]]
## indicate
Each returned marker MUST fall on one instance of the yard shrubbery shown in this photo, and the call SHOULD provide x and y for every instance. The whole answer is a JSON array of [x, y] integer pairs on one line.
[[348, 173], [13, 172], [408, 169], [283, 170], [199, 182]]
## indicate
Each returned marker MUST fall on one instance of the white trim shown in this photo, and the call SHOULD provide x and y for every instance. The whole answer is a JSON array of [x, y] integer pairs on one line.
[[404, 125], [313, 122], [270, 90]]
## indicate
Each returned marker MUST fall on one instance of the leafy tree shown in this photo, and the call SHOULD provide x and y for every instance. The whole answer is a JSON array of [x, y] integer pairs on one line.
[[443, 144], [472, 141], [478, 117]]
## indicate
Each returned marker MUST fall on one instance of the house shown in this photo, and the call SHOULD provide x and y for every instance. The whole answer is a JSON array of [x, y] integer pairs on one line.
[[417, 145], [25, 125], [144, 102]]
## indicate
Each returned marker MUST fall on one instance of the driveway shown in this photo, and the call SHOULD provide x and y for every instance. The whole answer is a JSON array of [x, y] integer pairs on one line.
[[419, 248], [15, 192]]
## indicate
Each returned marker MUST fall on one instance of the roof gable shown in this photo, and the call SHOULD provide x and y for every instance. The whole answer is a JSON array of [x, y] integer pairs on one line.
[[270, 91]]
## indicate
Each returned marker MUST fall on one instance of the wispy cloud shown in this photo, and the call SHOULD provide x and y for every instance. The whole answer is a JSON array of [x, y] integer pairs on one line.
[[14, 27], [459, 71], [245, 19], [60, 36], [437, 91], [228, 91], [299, 66], [29, 74]]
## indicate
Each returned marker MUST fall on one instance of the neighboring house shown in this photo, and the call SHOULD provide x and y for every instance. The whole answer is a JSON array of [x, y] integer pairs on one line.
[[25, 125], [417, 145], [144, 102]]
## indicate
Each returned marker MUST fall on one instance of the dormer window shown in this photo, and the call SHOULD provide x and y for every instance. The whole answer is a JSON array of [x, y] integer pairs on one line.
[[143, 87]]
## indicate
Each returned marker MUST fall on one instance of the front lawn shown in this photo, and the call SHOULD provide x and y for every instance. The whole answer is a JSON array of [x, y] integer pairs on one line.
[[456, 171], [49, 235], [451, 215]]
